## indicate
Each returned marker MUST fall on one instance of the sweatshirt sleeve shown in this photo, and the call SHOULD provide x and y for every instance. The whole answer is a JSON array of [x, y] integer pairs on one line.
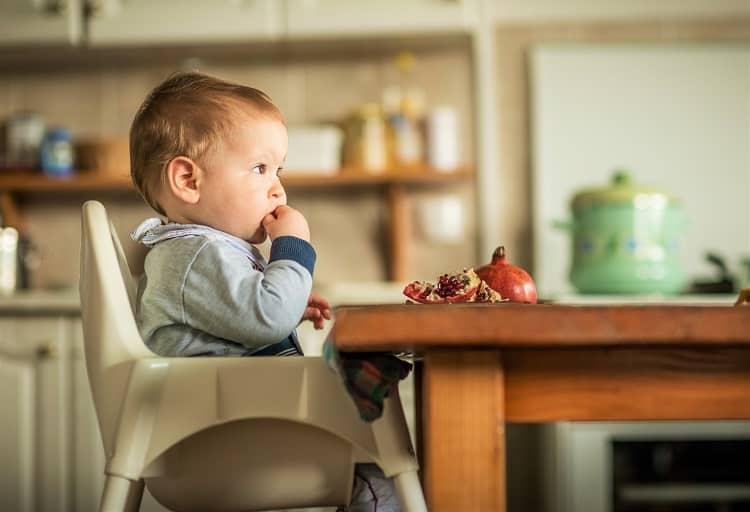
[[226, 297]]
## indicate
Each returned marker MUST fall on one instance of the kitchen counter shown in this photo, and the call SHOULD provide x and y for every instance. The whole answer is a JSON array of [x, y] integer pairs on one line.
[[714, 298], [67, 302], [34, 302]]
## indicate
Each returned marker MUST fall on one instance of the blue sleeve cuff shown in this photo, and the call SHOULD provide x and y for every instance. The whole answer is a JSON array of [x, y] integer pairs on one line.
[[295, 249]]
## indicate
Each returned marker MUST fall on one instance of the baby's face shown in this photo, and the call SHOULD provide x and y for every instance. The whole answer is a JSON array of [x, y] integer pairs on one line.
[[241, 183]]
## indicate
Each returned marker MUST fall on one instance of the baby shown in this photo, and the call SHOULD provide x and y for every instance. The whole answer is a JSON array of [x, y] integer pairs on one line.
[[207, 154]]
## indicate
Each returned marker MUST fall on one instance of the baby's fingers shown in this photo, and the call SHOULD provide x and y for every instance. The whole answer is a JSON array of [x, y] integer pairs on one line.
[[318, 323], [311, 313], [319, 301], [316, 316], [267, 220]]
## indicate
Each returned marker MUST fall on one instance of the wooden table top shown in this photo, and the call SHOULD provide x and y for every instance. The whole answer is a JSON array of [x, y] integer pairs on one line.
[[397, 327]]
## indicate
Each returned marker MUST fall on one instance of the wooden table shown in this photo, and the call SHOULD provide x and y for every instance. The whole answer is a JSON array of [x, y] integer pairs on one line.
[[488, 364]]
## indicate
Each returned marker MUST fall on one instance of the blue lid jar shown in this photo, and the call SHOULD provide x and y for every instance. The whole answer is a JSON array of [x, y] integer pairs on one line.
[[57, 152]]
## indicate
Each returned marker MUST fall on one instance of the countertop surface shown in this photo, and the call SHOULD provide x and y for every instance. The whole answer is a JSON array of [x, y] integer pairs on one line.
[[41, 302]]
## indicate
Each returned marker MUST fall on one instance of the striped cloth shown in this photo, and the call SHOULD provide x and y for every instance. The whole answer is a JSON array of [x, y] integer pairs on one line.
[[369, 377], [287, 347]]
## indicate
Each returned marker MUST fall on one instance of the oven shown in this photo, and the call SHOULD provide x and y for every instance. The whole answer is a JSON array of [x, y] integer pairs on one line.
[[646, 466]]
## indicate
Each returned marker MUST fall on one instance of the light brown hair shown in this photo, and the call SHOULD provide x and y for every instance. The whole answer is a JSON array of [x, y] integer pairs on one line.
[[186, 115]]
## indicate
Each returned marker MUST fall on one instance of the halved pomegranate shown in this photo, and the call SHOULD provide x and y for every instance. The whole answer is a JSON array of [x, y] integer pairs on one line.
[[462, 286], [458, 287]]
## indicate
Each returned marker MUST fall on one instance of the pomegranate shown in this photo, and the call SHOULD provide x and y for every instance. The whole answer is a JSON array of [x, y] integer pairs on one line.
[[510, 281], [450, 288]]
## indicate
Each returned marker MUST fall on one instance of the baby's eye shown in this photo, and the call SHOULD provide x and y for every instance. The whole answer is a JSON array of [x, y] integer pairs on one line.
[[259, 169], [279, 171]]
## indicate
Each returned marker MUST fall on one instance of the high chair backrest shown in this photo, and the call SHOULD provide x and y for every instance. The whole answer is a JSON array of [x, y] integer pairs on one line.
[[112, 342]]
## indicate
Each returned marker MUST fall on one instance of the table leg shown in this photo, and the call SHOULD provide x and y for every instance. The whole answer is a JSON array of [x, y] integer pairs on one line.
[[464, 430]]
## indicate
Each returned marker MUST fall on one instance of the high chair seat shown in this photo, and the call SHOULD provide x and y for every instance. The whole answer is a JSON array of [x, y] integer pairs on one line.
[[214, 433]]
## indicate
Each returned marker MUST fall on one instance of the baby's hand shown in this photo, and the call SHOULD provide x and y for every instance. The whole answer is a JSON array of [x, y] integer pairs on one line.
[[318, 308], [286, 221]]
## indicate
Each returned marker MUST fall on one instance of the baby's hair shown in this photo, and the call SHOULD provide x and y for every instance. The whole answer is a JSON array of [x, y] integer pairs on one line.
[[185, 116]]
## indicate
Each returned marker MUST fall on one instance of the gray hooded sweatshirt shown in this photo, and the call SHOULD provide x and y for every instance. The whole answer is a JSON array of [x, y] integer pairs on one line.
[[207, 293]]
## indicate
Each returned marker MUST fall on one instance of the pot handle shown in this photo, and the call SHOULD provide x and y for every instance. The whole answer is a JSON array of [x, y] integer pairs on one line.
[[563, 225]]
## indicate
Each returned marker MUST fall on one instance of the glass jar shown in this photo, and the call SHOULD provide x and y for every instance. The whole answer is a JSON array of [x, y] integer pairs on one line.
[[366, 144]]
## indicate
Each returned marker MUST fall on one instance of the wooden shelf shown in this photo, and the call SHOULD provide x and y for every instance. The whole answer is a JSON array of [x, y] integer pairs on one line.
[[83, 182], [90, 181], [395, 185]]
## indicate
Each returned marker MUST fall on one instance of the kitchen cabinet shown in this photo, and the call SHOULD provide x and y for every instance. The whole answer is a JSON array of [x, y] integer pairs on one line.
[[50, 446], [35, 424], [143, 22], [40, 22], [336, 18], [125, 23], [53, 459]]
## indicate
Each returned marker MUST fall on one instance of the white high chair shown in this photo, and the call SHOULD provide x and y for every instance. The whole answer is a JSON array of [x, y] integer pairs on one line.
[[220, 433]]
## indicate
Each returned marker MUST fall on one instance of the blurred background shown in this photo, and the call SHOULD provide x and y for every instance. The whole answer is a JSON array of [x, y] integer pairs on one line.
[[423, 134]]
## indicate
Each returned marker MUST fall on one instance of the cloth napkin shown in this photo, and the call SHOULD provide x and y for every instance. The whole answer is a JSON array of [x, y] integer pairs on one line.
[[369, 377]]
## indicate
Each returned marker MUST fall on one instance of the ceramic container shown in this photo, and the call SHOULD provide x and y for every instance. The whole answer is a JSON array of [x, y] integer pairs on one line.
[[626, 239]]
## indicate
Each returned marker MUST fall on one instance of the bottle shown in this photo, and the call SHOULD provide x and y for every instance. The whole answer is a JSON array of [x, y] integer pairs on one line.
[[403, 106], [366, 140], [57, 153], [442, 138], [8, 260]]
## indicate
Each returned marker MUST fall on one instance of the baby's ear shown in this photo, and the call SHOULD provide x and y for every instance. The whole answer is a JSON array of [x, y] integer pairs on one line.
[[182, 179]]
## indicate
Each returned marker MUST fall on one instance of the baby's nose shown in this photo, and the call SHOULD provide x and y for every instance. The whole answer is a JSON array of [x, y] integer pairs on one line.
[[278, 193]]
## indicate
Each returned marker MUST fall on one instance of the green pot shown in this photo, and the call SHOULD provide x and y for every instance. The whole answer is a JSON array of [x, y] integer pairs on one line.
[[626, 239]]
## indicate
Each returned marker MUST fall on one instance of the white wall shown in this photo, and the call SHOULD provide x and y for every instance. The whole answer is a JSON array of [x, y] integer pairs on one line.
[[676, 116]]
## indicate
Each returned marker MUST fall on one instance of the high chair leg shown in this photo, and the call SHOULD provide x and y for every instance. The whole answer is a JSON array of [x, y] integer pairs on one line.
[[409, 492], [121, 495]]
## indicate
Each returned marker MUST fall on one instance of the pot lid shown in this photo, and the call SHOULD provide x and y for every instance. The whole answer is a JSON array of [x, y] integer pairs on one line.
[[622, 190]]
